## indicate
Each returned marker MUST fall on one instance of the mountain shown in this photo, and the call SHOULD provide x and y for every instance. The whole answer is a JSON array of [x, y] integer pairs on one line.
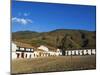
[[74, 38]]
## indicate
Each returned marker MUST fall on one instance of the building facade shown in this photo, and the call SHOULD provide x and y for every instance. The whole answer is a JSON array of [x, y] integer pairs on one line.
[[22, 50]]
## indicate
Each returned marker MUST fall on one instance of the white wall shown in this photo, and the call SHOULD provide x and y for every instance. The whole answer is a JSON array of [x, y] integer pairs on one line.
[[77, 53], [93, 51], [85, 52], [28, 55], [14, 47], [43, 48], [14, 55], [89, 51]]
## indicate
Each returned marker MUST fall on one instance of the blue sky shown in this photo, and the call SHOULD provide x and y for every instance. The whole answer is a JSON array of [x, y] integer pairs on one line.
[[43, 17]]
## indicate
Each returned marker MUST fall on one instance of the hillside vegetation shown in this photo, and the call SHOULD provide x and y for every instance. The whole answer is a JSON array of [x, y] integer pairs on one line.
[[75, 38]]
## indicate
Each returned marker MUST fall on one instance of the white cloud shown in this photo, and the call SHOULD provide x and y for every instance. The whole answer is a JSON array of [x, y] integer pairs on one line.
[[21, 20], [26, 14], [23, 14]]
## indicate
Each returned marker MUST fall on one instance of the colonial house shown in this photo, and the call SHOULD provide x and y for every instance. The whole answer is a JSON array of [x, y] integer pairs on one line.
[[81, 52], [44, 51], [42, 47], [22, 50]]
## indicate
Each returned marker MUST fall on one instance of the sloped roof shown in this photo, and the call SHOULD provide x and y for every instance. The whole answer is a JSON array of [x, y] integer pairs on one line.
[[20, 44], [40, 50], [23, 45], [49, 47]]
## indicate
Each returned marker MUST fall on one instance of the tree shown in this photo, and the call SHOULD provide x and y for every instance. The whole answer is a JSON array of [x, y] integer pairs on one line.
[[85, 43], [63, 44], [57, 41], [43, 38]]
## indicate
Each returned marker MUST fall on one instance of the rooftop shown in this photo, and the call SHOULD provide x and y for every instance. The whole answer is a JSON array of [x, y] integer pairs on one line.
[[20, 44]]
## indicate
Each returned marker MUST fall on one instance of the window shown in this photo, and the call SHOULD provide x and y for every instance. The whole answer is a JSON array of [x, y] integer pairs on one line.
[[31, 49], [21, 48], [27, 49]]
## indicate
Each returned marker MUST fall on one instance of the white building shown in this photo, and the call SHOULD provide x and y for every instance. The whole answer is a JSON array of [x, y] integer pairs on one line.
[[14, 48], [58, 52], [93, 51], [81, 52], [42, 47], [43, 51], [21, 50]]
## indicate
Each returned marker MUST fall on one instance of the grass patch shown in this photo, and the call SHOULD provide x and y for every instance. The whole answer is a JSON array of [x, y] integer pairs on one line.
[[51, 64]]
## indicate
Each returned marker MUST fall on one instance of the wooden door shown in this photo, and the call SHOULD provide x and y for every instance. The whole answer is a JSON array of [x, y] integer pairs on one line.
[[18, 55], [22, 55]]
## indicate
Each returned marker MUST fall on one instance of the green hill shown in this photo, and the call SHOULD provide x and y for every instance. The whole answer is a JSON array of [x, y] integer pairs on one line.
[[75, 38]]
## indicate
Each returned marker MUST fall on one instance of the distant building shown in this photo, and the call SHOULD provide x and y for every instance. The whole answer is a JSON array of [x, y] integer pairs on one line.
[[44, 48], [81, 52], [43, 51], [22, 50]]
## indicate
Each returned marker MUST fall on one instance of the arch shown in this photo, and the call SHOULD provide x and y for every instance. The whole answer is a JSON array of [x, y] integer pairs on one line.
[[22, 55], [30, 56], [26, 55], [34, 55], [18, 54]]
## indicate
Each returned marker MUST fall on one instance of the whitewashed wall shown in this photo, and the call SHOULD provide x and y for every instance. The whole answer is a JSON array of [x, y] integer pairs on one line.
[[43, 48], [93, 51], [14, 47], [14, 55]]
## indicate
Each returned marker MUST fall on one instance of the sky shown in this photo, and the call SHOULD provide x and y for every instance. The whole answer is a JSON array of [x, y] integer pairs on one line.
[[44, 17]]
